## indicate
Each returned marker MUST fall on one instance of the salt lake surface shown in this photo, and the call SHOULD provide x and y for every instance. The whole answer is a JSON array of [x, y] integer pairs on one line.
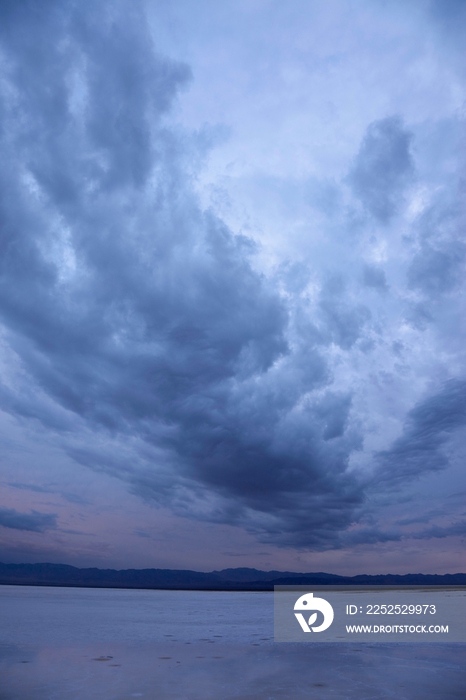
[[77, 643]]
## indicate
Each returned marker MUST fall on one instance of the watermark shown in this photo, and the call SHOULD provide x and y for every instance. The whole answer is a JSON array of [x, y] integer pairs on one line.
[[308, 603], [362, 614]]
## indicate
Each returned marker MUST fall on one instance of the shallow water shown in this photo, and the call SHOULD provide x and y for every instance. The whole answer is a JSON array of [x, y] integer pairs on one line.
[[71, 644]]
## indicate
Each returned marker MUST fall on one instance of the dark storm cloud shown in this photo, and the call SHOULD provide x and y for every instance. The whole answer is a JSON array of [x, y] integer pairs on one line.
[[420, 315], [70, 497], [436, 531], [334, 409], [33, 522], [31, 487], [374, 277], [437, 270], [343, 321], [420, 448], [377, 535], [140, 314], [147, 340], [382, 167], [370, 535]]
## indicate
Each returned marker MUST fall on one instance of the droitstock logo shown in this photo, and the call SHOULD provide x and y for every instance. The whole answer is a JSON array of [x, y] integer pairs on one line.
[[308, 603]]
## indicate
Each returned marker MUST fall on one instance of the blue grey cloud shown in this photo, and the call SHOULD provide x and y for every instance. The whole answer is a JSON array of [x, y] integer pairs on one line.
[[451, 13], [382, 167], [438, 532], [31, 487], [373, 276], [343, 322], [148, 340], [33, 522], [375, 535], [420, 448], [70, 497], [437, 270], [138, 312]]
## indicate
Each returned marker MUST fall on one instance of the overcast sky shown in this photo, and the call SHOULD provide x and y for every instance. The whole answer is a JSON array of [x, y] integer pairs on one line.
[[232, 284]]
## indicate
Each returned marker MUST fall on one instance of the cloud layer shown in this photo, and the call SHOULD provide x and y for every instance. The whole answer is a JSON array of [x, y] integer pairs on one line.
[[32, 522], [140, 330]]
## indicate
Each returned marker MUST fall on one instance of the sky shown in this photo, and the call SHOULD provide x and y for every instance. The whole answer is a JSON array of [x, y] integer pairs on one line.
[[232, 284]]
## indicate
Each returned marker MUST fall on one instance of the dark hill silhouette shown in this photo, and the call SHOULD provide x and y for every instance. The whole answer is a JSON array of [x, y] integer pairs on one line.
[[227, 579]]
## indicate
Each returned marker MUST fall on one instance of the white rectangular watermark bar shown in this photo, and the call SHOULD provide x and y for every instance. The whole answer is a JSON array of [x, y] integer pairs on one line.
[[363, 614]]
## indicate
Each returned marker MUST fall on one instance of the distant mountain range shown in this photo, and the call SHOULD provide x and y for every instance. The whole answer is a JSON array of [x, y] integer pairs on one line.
[[227, 579]]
